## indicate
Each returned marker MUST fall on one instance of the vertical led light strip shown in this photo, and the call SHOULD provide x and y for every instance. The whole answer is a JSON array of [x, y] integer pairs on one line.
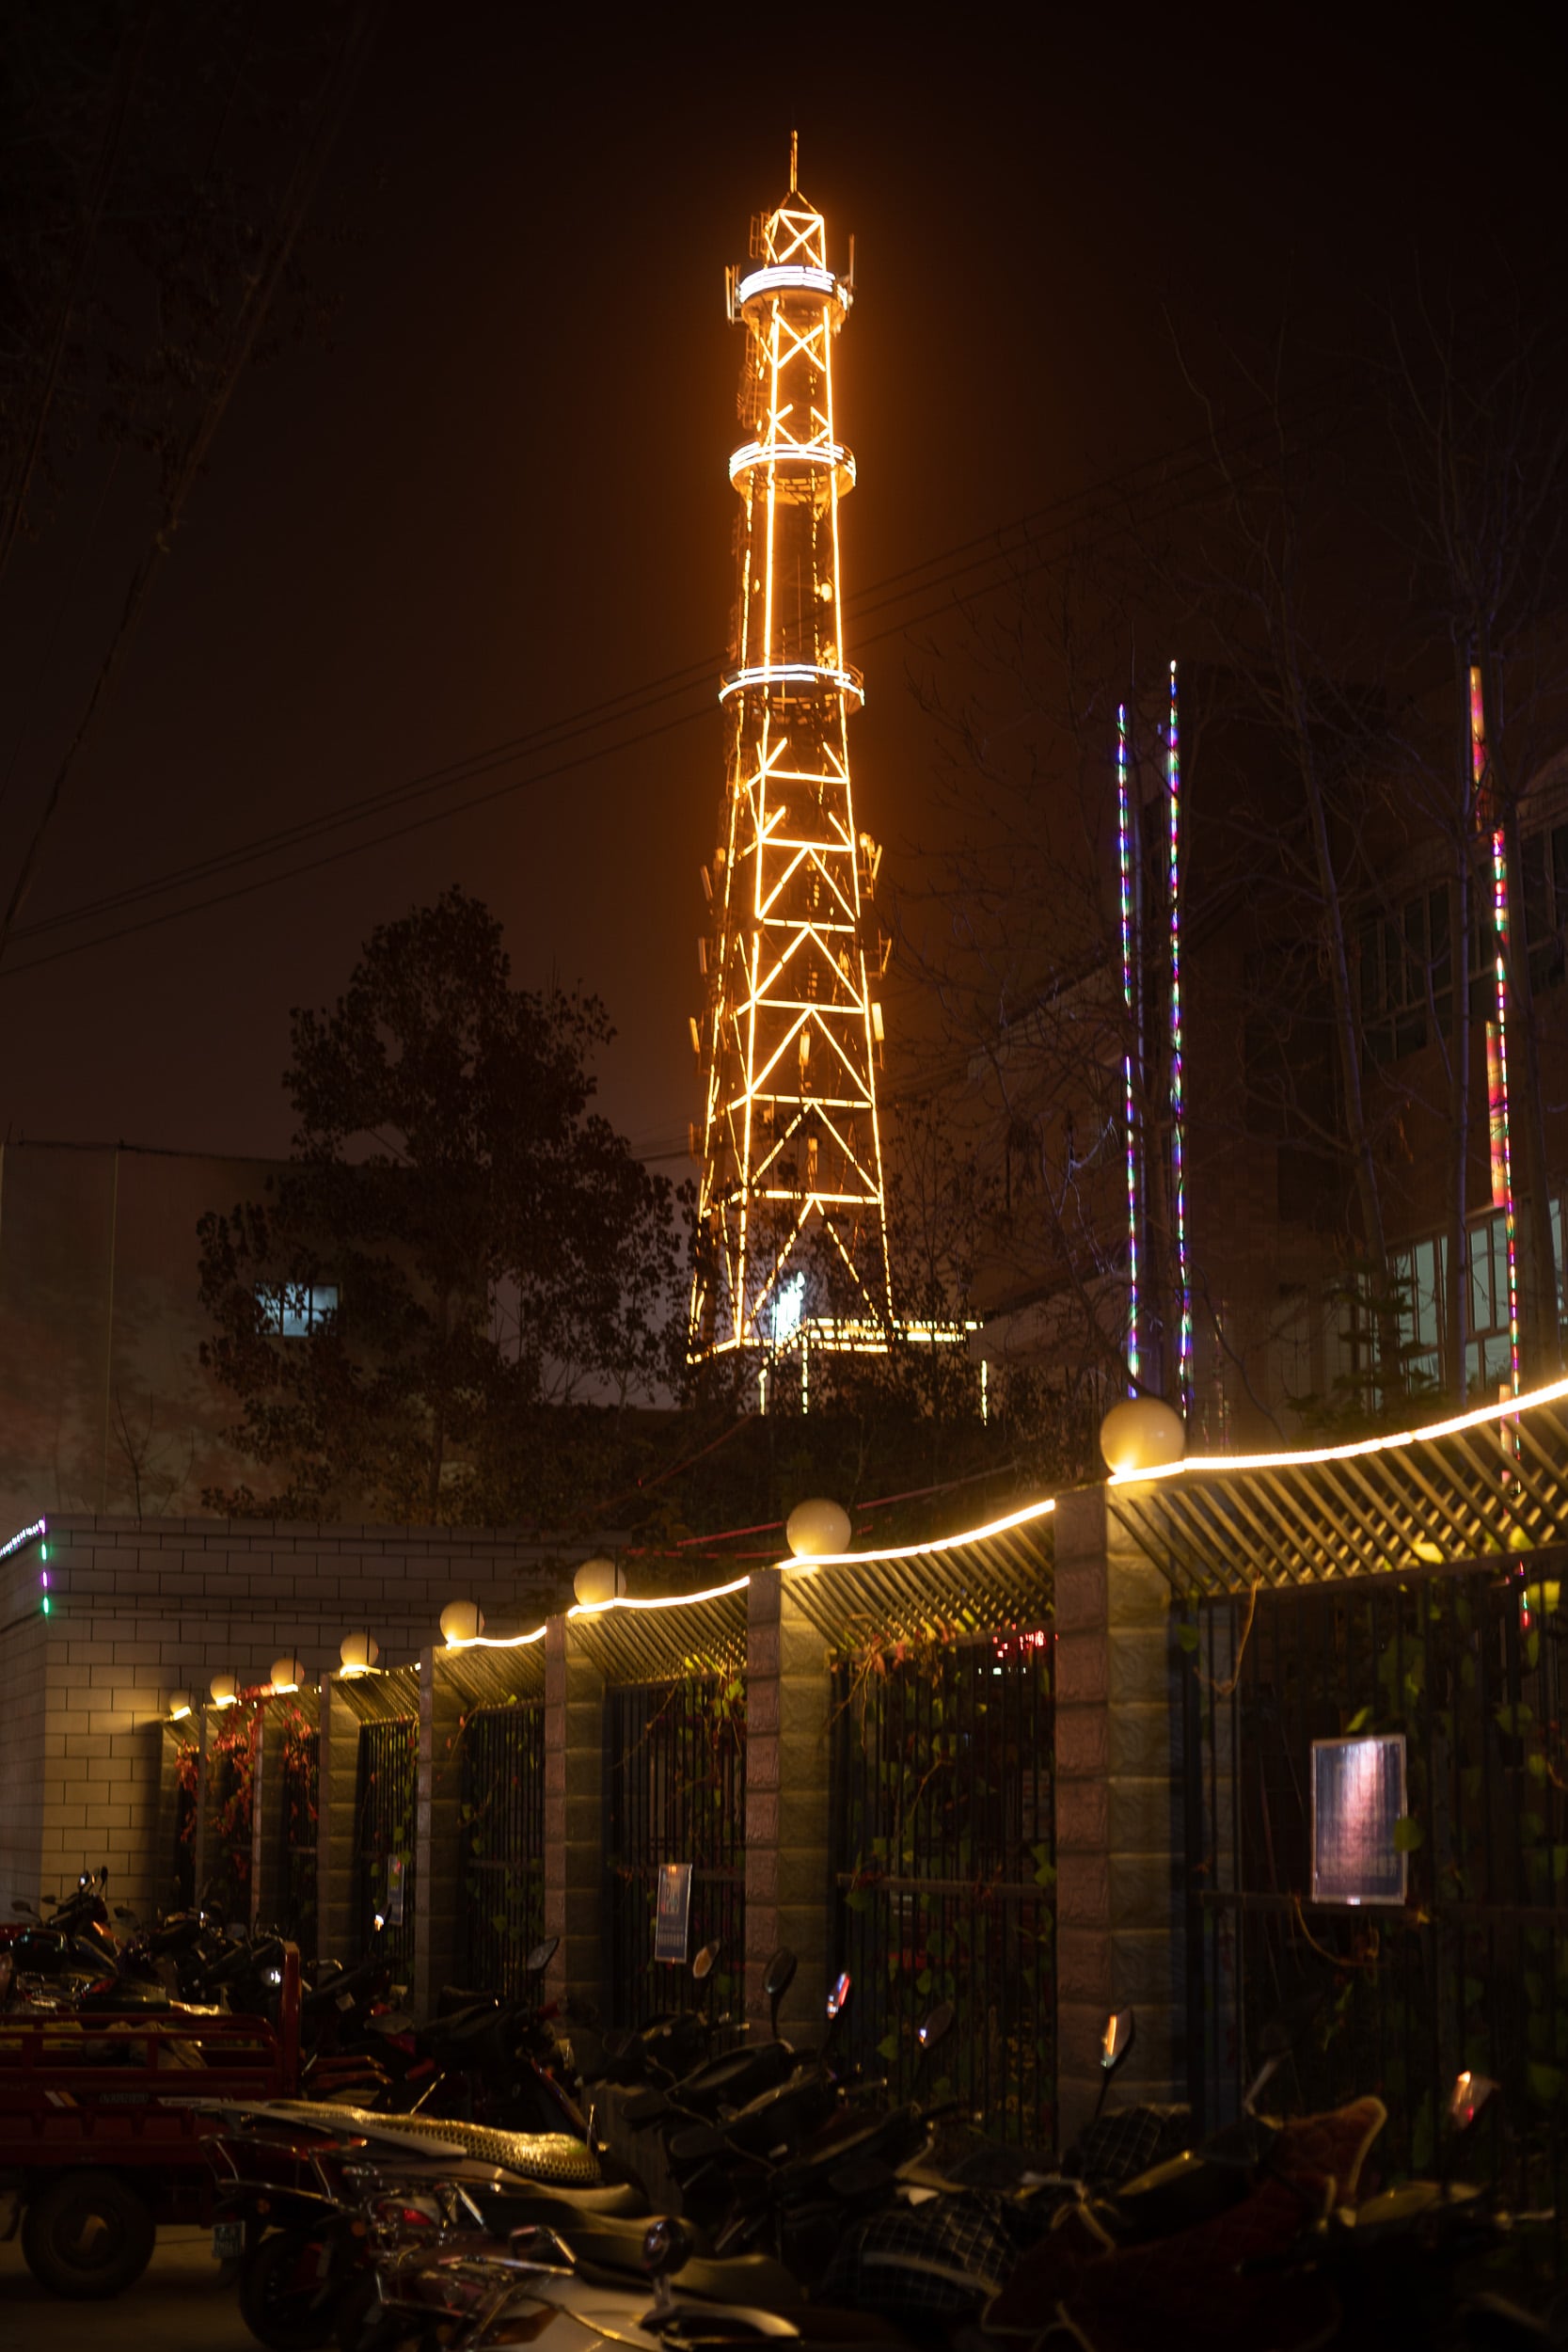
[[1124, 837], [1497, 1031], [1177, 1121]]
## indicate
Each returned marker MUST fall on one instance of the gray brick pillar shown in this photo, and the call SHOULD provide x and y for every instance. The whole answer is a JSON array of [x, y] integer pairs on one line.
[[574, 1815], [788, 1888], [437, 1832], [336, 1792], [1120, 1868]]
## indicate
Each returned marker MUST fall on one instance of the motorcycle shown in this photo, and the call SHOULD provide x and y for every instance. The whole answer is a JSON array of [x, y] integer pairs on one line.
[[307, 2192]]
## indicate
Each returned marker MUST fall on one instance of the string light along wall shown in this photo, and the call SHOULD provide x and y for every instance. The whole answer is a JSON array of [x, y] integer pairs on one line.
[[36, 1533], [1137, 993], [1489, 816], [792, 1236]]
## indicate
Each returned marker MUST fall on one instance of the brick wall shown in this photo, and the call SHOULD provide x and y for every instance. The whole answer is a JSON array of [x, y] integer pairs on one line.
[[142, 1609]]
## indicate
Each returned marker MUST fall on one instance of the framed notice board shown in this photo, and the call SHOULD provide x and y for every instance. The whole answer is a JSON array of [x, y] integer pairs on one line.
[[1358, 1798]]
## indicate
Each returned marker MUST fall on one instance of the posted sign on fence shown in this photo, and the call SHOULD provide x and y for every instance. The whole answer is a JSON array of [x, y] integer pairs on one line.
[[672, 1918]]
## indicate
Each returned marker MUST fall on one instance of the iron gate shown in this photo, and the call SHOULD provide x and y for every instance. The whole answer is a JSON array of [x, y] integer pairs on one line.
[[1471, 1969], [676, 1768], [299, 1779], [944, 1863], [503, 1854], [384, 1837]]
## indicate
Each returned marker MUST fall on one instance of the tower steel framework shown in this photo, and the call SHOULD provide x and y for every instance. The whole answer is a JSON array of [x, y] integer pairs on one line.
[[792, 1238]]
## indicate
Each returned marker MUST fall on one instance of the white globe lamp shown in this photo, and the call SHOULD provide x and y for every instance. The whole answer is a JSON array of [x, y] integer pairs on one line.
[[461, 1621], [286, 1674], [815, 1530], [358, 1652], [1140, 1434], [223, 1689], [597, 1582]]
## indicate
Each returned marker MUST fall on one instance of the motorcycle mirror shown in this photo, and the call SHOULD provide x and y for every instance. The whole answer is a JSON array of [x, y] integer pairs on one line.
[[541, 1956], [1470, 2093], [1117, 2035], [702, 1967], [936, 2027], [666, 2244], [839, 1994], [781, 1974], [776, 1983]]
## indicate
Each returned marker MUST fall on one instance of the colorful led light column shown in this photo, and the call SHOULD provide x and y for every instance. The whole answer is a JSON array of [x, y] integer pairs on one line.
[[1497, 1030], [1131, 994], [1178, 1107]]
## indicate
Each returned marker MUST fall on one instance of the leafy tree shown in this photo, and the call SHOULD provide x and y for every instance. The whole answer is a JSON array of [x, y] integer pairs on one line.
[[505, 1270]]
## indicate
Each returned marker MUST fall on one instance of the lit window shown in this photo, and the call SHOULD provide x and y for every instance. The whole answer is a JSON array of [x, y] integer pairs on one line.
[[788, 1302], [295, 1309]]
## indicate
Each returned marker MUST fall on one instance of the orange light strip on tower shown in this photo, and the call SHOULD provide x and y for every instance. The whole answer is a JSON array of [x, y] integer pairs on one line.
[[791, 1207]]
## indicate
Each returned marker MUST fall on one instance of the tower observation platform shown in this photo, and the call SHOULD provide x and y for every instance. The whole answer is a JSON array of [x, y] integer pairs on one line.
[[792, 1249]]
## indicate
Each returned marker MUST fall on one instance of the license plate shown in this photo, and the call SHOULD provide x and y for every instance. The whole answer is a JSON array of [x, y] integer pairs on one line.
[[228, 2241]]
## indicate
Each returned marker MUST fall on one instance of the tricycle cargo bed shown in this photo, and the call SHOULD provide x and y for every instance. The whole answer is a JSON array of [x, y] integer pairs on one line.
[[133, 2090]]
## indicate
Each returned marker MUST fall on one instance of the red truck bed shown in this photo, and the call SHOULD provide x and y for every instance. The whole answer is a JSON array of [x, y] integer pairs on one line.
[[119, 2091]]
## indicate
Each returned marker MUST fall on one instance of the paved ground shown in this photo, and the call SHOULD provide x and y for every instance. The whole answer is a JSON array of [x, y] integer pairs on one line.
[[177, 2306]]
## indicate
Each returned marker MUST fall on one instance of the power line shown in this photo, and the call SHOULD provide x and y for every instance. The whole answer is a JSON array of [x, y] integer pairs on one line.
[[1001, 544]]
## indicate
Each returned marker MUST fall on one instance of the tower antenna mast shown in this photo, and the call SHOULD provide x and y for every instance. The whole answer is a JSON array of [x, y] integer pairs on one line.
[[792, 1253]]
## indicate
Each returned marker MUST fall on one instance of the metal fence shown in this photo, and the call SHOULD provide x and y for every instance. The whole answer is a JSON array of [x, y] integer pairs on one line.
[[675, 1772], [384, 1837], [299, 1776], [1471, 1968], [501, 1862], [944, 1868]]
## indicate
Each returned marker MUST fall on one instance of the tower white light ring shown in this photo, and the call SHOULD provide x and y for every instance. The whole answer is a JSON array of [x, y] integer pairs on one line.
[[791, 278], [791, 678], [811, 456]]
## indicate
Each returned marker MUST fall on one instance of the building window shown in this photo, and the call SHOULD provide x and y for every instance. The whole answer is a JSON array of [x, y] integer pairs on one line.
[[1544, 857], [295, 1309], [1406, 976], [1406, 965]]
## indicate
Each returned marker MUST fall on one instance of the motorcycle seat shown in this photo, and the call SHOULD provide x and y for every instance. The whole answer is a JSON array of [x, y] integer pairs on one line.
[[559, 2209], [453, 1997], [737, 2077]]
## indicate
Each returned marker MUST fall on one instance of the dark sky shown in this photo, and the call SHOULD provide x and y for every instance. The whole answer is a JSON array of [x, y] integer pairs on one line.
[[495, 496]]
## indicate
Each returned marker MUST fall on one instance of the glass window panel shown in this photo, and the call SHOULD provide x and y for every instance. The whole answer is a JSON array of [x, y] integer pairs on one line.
[[1480, 1278], [1532, 859]]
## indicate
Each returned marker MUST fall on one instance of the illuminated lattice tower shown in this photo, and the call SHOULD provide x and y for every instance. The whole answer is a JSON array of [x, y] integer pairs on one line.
[[792, 1236]]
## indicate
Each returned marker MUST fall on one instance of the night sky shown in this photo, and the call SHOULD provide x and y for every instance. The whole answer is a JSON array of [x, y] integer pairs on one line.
[[492, 497]]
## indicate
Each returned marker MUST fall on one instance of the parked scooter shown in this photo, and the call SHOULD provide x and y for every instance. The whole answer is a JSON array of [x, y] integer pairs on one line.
[[307, 2191]]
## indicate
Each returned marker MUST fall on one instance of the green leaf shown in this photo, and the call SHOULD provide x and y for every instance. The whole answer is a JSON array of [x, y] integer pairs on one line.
[[1358, 1722], [1187, 1637], [1537, 1767], [1408, 1834], [888, 2047]]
